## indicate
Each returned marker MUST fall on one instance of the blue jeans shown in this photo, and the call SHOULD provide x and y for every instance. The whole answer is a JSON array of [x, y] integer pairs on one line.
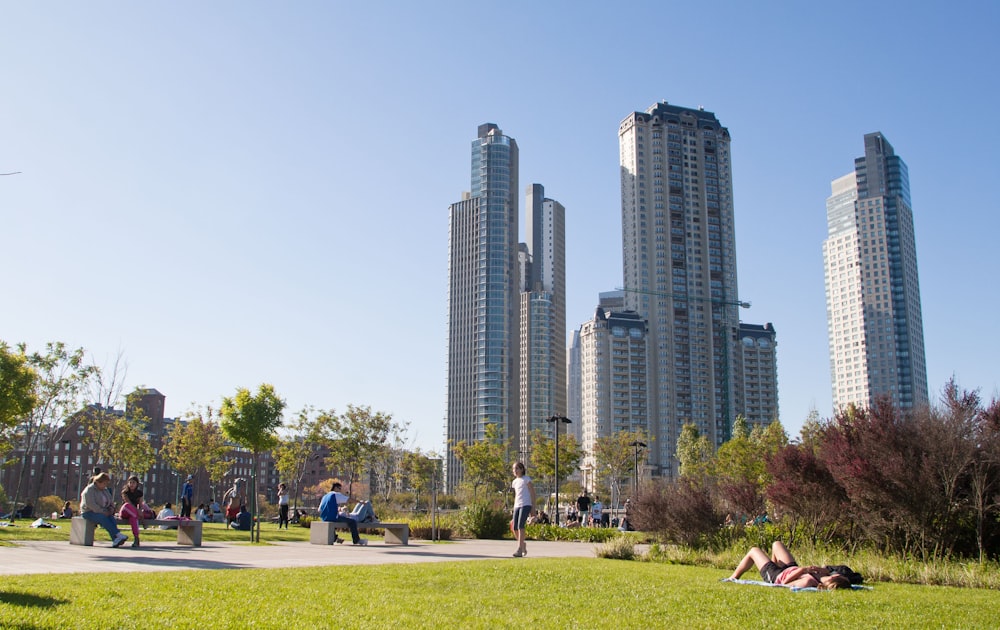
[[351, 524], [105, 521]]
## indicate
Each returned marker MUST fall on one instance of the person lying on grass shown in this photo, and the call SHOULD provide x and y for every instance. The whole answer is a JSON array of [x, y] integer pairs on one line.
[[780, 568]]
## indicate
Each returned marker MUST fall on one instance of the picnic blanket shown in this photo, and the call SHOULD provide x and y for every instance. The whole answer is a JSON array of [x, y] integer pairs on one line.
[[795, 589]]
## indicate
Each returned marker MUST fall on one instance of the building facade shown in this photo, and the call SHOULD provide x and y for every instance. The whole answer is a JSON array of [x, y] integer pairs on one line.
[[484, 299], [613, 378], [873, 306], [543, 315], [757, 374], [679, 260]]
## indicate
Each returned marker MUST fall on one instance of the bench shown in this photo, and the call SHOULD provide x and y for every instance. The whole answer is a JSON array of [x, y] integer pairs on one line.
[[324, 532], [81, 531]]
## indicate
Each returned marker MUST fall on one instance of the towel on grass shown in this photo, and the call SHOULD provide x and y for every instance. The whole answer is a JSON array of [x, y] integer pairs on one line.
[[796, 589]]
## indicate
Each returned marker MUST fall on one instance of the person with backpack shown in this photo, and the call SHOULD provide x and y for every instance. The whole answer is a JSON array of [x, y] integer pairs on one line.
[[781, 568], [329, 511]]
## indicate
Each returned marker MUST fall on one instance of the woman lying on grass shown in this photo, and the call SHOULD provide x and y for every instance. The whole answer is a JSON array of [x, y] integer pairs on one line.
[[780, 568]]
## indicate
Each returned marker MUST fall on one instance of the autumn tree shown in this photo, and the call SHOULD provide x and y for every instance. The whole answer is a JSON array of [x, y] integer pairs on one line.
[[252, 421]]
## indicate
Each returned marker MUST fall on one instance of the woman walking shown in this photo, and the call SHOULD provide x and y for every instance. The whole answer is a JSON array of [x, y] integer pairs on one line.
[[524, 498]]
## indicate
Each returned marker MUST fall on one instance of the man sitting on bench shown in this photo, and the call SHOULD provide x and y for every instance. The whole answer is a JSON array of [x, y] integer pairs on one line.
[[329, 511]]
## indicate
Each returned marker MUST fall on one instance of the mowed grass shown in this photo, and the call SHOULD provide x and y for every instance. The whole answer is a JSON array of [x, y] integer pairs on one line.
[[543, 593]]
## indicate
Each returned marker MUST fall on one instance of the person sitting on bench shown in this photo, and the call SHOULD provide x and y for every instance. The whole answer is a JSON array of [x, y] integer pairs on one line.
[[329, 511]]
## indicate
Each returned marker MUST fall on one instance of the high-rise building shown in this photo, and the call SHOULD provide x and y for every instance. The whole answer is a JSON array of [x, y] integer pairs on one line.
[[613, 384], [757, 374], [679, 255], [543, 315], [872, 290], [483, 298]]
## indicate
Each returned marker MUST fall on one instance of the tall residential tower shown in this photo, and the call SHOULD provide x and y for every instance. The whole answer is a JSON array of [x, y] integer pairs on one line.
[[679, 254], [872, 290], [483, 298]]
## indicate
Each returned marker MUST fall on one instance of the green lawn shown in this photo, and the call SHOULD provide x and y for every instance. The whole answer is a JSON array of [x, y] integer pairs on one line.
[[480, 594]]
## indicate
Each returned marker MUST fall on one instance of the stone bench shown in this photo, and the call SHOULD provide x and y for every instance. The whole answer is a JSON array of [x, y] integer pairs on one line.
[[81, 531], [324, 532]]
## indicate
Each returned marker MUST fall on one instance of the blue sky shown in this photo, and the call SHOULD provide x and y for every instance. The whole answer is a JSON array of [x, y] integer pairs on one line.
[[233, 193]]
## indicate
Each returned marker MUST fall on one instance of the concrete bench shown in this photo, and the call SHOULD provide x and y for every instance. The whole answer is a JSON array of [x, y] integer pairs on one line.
[[324, 532], [81, 531]]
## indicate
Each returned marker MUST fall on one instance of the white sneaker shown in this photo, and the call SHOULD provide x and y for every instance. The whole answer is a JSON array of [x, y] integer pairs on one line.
[[119, 540], [362, 542]]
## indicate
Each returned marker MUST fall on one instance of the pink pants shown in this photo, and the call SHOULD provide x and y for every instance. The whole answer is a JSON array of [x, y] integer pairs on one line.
[[130, 514]]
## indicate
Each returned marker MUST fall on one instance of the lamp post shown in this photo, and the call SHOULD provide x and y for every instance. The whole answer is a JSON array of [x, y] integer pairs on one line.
[[68, 448], [637, 445], [434, 496], [556, 421]]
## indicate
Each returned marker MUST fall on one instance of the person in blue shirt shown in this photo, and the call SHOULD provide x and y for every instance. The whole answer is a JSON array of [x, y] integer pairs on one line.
[[187, 494], [329, 511]]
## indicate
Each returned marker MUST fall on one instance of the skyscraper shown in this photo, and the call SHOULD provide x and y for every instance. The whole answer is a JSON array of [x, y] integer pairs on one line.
[[679, 255], [872, 290], [483, 298], [543, 314]]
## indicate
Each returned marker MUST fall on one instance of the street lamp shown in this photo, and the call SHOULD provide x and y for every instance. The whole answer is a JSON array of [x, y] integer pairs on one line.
[[68, 449], [637, 445], [556, 421], [434, 497]]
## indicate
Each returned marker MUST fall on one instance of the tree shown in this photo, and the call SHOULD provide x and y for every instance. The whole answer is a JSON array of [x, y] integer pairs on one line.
[[252, 421], [615, 458], [98, 419], [17, 389], [543, 457], [694, 452], [62, 376], [197, 444], [298, 448], [803, 490], [353, 439], [485, 461]]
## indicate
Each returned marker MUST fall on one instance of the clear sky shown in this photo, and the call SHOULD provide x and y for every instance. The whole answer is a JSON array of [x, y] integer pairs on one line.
[[232, 193]]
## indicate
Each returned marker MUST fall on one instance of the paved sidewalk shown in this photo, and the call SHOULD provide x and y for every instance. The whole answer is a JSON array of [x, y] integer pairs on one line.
[[61, 557]]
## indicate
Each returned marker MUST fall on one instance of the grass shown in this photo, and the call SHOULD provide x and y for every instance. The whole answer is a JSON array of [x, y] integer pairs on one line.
[[216, 532], [480, 594]]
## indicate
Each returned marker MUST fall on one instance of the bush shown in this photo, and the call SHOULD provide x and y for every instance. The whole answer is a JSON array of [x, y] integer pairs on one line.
[[479, 520], [421, 528], [582, 534], [618, 548], [304, 521], [681, 512]]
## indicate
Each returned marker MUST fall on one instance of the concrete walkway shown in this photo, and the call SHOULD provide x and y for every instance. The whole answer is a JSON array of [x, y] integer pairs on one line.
[[61, 557]]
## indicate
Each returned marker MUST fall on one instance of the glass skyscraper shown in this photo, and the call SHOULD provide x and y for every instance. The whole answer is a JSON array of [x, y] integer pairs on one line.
[[872, 290], [483, 298]]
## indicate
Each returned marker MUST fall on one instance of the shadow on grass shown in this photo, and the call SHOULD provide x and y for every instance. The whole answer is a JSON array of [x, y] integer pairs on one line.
[[29, 599]]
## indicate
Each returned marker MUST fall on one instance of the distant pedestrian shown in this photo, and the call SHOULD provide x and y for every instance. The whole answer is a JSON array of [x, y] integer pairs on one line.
[[187, 496], [524, 498], [282, 505], [597, 513]]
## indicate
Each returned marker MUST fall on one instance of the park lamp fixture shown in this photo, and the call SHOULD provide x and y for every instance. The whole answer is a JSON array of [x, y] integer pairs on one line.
[[556, 421]]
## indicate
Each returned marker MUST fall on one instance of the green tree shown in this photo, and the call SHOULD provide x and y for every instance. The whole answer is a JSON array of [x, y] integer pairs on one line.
[[615, 458], [17, 389], [297, 449], [543, 457], [197, 444], [485, 461], [353, 439], [694, 452], [252, 421]]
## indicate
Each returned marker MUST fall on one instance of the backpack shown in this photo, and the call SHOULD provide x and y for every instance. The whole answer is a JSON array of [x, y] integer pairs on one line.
[[363, 512], [853, 576]]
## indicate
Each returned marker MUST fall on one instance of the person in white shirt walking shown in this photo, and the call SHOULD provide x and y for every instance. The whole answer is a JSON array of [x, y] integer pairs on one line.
[[524, 498]]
